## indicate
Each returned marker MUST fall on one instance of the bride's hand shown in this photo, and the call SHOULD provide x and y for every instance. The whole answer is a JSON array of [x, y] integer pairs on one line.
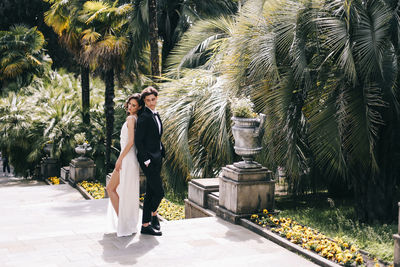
[[118, 165]]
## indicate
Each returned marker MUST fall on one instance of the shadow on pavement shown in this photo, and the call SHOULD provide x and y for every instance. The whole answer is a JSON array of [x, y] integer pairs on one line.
[[126, 250]]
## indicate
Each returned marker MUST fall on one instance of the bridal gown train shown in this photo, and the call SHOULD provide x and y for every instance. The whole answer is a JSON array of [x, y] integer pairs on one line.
[[128, 191]]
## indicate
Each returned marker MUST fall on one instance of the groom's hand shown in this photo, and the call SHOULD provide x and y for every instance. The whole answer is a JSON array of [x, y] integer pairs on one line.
[[147, 162]]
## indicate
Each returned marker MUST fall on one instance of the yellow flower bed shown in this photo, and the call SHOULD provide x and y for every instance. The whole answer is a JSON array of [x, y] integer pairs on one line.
[[169, 210], [95, 189], [54, 180], [335, 250]]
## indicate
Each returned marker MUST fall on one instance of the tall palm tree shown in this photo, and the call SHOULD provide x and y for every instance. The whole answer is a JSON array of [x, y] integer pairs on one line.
[[63, 17], [105, 43], [153, 39], [21, 56]]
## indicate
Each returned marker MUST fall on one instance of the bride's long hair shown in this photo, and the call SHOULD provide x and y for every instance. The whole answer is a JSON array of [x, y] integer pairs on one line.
[[137, 97]]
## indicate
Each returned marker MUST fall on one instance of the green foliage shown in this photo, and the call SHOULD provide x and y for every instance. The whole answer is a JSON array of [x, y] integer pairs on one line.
[[79, 138], [327, 77], [242, 107], [49, 110], [175, 17], [197, 135], [21, 57]]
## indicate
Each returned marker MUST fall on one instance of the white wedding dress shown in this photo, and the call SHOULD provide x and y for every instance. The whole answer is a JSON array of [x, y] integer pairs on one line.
[[128, 191]]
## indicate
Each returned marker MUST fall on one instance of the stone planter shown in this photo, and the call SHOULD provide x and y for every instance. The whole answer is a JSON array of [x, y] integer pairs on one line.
[[248, 133], [245, 187], [81, 168], [82, 149], [48, 149]]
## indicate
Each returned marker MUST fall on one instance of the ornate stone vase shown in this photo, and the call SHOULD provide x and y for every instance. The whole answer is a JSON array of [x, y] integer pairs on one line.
[[248, 133], [48, 149], [82, 149]]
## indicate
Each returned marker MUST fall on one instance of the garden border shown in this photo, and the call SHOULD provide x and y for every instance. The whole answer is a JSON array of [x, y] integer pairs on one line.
[[84, 193], [287, 244], [47, 181]]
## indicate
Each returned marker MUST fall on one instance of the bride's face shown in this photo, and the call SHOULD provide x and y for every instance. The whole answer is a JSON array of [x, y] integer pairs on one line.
[[133, 106]]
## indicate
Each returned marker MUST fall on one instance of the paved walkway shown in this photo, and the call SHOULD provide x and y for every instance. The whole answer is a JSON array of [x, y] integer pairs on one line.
[[46, 225]]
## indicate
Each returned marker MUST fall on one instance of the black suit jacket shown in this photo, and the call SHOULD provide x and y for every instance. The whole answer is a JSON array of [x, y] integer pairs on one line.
[[148, 138]]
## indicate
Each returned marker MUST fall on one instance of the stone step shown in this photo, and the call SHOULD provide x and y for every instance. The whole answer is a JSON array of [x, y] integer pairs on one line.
[[213, 201]]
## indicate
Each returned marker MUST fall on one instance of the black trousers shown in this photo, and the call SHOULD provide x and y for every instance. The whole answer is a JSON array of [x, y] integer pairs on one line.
[[154, 190]]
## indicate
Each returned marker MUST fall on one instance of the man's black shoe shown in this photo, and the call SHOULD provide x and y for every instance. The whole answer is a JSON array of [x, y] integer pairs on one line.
[[149, 231], [155, 223]]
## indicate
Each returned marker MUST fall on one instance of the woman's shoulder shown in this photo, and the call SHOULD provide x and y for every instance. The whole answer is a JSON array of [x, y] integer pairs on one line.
[[131, 118]]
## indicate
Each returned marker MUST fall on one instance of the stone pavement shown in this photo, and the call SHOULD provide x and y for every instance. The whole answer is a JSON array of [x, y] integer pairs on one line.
[[45, 225]]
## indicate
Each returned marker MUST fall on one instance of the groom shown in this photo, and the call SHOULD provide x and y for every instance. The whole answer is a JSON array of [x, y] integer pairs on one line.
[[150, 152]]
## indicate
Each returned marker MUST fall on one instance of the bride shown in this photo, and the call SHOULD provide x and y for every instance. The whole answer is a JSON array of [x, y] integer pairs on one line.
[[123, 188]]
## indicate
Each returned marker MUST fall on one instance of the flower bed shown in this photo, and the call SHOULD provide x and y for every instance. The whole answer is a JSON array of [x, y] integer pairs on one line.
[[335, 250], [95, 189], [169, 210], [53, 180]]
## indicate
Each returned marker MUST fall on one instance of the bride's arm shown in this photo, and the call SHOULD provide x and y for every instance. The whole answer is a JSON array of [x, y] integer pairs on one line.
[[131, 141]]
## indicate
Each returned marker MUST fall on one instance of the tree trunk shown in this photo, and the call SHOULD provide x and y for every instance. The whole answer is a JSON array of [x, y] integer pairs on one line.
[[109, 111], [375, 196], [85, 94], [153, 33]]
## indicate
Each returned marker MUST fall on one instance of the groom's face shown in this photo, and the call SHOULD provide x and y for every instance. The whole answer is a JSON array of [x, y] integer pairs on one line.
[[151, 101]]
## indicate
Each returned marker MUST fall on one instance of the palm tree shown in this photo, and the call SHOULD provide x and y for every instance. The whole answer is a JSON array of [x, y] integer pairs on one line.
[[105, 43], [173, 19], [153, 39], [326, 76], [21, 56], [63, 17], [41, 112], [196, 112]]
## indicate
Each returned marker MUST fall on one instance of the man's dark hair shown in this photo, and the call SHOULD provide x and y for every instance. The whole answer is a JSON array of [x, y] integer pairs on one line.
[[150, 90]]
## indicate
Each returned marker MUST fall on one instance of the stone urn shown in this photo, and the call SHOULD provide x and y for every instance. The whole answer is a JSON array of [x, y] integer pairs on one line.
[[81, 168], [48, 149], [49, 166], [82, 149], [248, 133]]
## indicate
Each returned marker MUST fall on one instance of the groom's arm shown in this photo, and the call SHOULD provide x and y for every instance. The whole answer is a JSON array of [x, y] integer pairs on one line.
[[140, 135]]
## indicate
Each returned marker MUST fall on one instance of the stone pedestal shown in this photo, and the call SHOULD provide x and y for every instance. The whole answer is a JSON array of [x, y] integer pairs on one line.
[[49, 168], [198, 192], [243, 192], [81, 169], [396, 237], [64, 173]]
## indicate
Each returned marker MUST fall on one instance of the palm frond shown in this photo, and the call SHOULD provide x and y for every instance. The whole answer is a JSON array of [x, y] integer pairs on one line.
[[197, 43]]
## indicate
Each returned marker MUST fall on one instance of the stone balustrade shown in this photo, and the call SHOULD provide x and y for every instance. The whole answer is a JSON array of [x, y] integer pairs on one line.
[[202, 199]]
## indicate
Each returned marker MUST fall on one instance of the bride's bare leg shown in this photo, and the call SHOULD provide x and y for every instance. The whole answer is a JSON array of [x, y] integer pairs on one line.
[[112, 190]]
